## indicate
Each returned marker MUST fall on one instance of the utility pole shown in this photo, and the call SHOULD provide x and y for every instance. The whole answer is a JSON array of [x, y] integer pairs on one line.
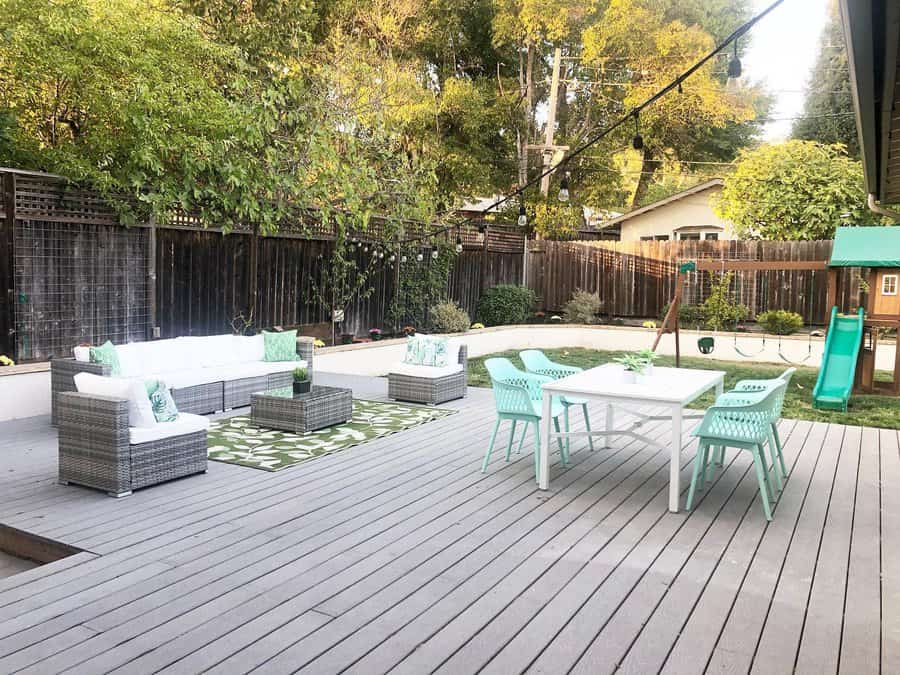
[[551, 153]]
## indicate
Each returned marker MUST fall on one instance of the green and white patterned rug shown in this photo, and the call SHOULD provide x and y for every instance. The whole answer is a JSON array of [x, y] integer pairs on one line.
[[236, 441]]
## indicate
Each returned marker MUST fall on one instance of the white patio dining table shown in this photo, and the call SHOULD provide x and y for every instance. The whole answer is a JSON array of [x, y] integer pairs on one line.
[[669, 388]]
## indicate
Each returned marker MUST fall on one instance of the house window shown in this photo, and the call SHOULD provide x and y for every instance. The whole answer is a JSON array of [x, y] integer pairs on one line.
[[689, 236], [662, 237], [711, 236], [889, 284], [650, 238]]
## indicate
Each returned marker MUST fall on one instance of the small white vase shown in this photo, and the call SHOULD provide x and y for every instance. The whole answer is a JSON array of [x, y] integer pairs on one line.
[[629, 376]]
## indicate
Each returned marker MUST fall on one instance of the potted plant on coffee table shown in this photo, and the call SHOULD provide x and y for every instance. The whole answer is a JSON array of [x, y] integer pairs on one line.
[[301, 381]]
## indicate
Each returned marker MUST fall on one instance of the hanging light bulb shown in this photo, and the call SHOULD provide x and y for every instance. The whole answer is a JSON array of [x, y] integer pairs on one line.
[[358, 244], [419, 257], [380, 254], [564, 188], [365, 249], [392, 258], [734, 66], [458, 244], [638, 141], [523, 216], [402, 258], [434, 254], [680, 88]]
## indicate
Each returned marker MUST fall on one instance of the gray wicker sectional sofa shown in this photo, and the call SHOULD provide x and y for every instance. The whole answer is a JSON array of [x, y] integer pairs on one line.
[[109, 441], [428, 384], [205, 374]]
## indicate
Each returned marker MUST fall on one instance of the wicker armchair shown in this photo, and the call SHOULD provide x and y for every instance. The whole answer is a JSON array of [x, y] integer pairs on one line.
[[430, 390], [95, 448]]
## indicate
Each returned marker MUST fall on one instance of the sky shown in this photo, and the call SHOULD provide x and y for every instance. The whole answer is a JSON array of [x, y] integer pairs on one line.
[[782, 51]]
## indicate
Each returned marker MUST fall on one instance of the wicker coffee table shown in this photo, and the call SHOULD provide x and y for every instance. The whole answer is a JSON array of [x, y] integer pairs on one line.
[[301, 413]]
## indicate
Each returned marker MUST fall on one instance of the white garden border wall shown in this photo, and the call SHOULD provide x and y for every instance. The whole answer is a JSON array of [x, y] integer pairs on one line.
[[25, 389]]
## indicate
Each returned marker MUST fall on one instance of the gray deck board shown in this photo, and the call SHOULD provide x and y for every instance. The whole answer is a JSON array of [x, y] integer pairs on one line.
[[399, 555]]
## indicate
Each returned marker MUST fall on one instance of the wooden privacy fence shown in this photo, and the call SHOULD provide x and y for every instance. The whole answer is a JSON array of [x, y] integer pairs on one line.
[[637, 279], [70, 273]]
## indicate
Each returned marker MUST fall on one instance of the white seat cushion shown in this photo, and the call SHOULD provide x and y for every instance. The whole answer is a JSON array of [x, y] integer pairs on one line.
[[185, 423], [140, 410], [427, 372]]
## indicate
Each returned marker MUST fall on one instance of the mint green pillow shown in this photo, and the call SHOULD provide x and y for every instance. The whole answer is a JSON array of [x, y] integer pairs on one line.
[[280, 346], [164, 408], [426, 350], [108, 356]]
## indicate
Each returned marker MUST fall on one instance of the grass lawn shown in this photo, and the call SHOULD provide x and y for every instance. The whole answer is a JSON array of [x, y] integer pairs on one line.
[[869, 411]]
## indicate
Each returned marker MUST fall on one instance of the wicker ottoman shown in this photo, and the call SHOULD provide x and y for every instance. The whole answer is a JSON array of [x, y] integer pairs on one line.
[[301, 413]]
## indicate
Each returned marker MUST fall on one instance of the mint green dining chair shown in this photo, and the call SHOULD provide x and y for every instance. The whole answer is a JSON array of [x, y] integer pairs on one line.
[[738, 394], [519, 398], [536, 361], [744, 424]]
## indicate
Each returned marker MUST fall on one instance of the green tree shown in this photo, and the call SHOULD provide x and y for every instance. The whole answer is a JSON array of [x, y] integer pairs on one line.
[[798, 190], [828, 109]]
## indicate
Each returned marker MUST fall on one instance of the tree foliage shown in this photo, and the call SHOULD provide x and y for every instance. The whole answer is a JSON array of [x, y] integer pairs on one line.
[[828, 109], [797, 190]]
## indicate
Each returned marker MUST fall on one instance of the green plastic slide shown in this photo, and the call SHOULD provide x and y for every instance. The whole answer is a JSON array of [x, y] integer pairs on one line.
[[838, 369]]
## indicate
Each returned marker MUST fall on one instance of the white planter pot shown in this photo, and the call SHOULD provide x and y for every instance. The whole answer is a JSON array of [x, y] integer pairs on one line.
[[629, 377]]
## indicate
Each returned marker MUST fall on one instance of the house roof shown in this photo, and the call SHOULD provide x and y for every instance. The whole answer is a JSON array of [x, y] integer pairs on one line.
[[876, 246], [872, 35], [701, 187]]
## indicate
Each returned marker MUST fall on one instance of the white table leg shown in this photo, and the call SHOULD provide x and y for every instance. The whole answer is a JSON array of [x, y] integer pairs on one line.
[[544, 457], [609, 424], [675, 461]]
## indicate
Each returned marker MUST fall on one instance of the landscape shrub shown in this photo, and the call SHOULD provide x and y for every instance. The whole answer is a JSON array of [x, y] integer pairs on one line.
[[448, 317], [583, 307], [689, 316], [719, 310], [780, 321], [505, 304]]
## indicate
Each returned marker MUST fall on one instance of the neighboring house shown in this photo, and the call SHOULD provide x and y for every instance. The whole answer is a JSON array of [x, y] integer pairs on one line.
[[685, 215]]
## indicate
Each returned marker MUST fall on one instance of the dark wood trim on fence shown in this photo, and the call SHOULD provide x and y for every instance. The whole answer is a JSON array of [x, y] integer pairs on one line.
[[8, 265]]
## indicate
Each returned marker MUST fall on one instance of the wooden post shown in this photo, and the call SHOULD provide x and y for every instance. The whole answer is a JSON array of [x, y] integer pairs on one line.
[[252, 271], [152, 309], [897, 360], [8, 342], [831, 296]]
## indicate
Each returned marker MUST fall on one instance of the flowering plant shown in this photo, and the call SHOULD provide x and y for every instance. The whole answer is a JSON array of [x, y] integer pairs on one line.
[[318, 343], [476, 326], [6, 361]]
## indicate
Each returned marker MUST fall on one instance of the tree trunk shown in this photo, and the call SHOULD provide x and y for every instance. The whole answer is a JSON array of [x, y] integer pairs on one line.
[[649, 165]]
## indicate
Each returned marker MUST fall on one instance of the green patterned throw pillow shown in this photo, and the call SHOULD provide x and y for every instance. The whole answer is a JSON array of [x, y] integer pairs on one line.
[[280, 346], [108, 356], [426, 350], [164, 408]]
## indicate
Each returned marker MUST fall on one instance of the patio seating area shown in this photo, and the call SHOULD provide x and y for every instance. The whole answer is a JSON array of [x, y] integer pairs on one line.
[[400, 555]]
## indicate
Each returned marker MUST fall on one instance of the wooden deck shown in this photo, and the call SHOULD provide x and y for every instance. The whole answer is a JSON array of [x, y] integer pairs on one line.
[[399, 556]]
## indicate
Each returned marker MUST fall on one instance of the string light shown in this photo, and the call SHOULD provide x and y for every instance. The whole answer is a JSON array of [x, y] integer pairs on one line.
[[459, 246], [564, 188], [434, 254], [419, 257], [523, 216], [638, 141], [734, 65], [402, 259]]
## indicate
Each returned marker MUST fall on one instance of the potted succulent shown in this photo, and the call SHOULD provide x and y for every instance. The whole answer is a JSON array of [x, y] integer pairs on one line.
[[649, 356], [375, 334], [301, 381], [409, 331], [634, 366]]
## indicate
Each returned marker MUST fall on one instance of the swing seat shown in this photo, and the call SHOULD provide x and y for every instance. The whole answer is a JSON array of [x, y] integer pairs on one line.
[[706, 345]]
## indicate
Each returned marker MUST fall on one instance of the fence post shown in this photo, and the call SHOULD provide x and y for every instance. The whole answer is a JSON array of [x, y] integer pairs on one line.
[[253, 272], [152, 304], [8, 268]]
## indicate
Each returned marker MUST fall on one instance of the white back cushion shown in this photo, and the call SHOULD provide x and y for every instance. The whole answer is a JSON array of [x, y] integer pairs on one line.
[[250, 348], [452, 352], [133, 359], [82, 354], [140, 411], [218, 350]]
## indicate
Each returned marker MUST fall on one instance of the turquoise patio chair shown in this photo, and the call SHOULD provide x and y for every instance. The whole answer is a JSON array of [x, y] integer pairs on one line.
[[738, 424], [739, 394], [518, 397], [537, 362]]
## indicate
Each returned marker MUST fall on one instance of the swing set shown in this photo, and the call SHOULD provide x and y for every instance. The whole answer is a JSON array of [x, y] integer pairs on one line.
[[707, 343]]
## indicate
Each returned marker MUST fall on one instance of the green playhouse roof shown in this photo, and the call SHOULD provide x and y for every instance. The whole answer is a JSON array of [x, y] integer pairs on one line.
[[877, 246]]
